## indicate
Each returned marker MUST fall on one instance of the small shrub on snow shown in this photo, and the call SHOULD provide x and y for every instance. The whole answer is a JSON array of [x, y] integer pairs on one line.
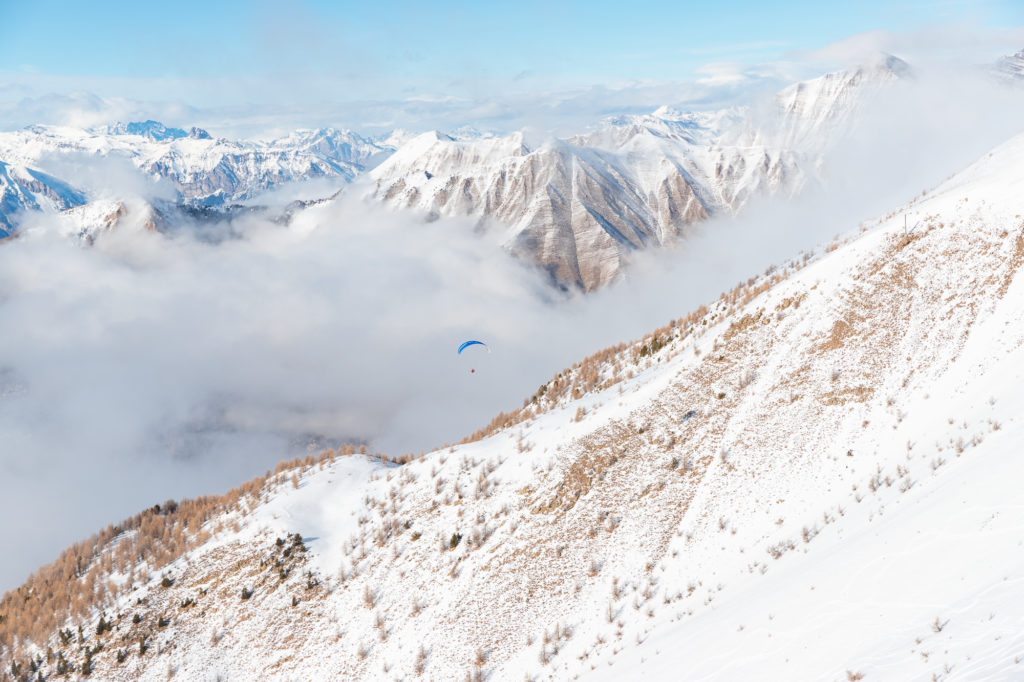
[[369, 597]]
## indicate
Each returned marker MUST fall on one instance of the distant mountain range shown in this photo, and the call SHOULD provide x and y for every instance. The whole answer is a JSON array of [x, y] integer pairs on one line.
[[578, 207], [199, 169], [156, 131]]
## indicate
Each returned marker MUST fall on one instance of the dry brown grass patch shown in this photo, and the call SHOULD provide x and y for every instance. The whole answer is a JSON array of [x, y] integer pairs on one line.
[[857, 394]]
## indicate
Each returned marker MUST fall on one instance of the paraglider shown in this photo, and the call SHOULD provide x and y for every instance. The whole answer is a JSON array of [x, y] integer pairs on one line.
[[467, 344]]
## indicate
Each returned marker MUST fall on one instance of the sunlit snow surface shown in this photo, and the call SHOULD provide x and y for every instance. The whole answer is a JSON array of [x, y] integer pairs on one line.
[[850, 506]]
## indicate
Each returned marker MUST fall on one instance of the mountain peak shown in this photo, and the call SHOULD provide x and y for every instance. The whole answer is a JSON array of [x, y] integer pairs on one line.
[[156, 131], [668, 113], [816, 112], [1012, 65], [892, 65]]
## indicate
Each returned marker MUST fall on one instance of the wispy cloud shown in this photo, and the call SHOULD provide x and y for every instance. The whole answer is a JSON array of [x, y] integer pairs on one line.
[[372, 100], [560, 111], [943, 44]]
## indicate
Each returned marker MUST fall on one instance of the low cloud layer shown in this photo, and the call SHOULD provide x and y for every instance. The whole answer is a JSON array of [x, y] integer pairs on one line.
[[151, 366]]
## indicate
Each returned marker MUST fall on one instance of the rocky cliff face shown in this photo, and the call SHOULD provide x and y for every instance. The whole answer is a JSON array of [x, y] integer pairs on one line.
[[580, 207]]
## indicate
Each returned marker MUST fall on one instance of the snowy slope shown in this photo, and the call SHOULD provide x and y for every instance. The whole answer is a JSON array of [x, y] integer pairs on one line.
[[27, 189], [1012, 66], [816, 113], [814, 480]]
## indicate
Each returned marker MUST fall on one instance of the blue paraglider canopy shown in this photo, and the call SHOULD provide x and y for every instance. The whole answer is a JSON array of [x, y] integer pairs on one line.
[[467, 344]]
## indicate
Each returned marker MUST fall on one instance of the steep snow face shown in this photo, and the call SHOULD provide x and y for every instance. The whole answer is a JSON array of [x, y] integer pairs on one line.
[[27, 189], [819, 483], [816, 112], [579, 207]]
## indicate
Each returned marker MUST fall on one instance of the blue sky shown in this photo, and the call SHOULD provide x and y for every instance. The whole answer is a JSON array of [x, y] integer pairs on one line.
[[281, 57], [440, 39]]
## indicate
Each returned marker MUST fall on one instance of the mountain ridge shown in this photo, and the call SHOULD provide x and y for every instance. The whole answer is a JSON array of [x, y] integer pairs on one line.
[[202, 170], [579, 208], [27, 189]]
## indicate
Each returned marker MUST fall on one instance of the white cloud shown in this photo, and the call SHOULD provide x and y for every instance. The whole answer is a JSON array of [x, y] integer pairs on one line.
[[946, 45], [853, 50], [149, 367]]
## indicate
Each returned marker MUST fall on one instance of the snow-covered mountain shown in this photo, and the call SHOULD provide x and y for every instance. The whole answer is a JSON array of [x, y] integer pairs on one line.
[[1012, 66], [88, 221], [203, 171], [694, 127], [27, 189], [579, 207], [156, 131], [815, 477], [817, 112]]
